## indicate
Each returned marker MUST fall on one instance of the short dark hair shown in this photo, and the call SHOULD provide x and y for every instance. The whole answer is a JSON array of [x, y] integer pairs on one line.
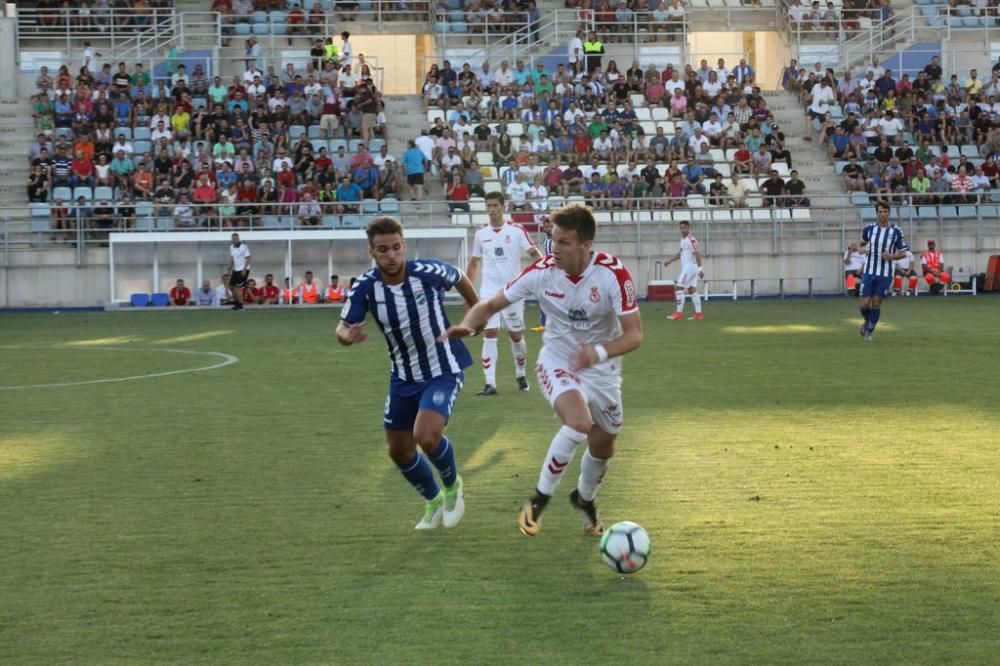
[[576, 218], [684, 223], [500, 198], [882, 204], [383, 225]]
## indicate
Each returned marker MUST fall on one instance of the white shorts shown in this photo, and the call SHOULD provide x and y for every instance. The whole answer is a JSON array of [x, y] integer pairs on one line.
[[510, 318], [688, 277], [601, 387]]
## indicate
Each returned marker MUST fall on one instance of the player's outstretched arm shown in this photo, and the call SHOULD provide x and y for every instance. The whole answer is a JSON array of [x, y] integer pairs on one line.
[[348, 334], [472, 270], [629, 340], [672, 259], [475, 319], [467, 289]]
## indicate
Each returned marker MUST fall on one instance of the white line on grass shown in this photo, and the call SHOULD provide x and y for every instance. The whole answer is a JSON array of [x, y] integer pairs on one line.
[[228, 359]]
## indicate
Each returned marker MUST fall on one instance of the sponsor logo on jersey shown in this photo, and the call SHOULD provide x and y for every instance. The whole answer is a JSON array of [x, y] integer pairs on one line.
[[577, 314], [498, 251], [554, 294], [595, 295]]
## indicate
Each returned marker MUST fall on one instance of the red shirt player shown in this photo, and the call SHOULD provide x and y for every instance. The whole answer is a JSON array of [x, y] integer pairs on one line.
[[269, 292], [931, 263], [251, 292], [180, 295]]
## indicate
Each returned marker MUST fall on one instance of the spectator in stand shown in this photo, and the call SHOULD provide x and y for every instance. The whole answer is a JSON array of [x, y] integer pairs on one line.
[[414, 161], [38, 185], [180, 294], [762, 161], [773, 190], [795, 191]]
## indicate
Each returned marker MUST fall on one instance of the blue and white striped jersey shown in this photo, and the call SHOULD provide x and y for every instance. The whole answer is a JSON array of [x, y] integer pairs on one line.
[[547, 246], [881, 239], [411, 317]]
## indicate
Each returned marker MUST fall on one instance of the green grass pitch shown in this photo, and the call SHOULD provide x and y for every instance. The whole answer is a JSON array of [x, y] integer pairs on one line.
[[810, 498]]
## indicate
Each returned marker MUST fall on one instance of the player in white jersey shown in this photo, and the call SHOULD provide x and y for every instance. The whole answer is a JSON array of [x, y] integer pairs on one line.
[[592, 319], [687, 282], [497, 250], [546, 251], [239, 270]]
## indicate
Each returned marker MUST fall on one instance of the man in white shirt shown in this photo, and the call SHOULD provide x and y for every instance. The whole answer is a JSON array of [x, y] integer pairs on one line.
[[256, 88], [890, 126], [280, 160], [697, 140], [239, 270], [575, 49], [822, 97], [542, 146], [504, 76], [497, 249], [712, 128], [592, 319], [538, 194], [517, 193], [485, 76], [161, 132]]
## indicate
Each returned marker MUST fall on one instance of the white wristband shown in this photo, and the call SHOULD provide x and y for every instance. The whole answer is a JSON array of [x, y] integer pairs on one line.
[[602, 353]]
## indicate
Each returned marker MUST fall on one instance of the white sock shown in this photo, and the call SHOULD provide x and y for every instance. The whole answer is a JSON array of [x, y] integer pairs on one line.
[[520, 352], [681, 295], [696, 299], [558, 458], [591, 474], [490, 354]]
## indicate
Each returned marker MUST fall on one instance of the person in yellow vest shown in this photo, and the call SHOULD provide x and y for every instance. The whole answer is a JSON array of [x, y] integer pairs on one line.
[[289, 295], [593, 49], [309, 290], [335, 292], [331, 52]]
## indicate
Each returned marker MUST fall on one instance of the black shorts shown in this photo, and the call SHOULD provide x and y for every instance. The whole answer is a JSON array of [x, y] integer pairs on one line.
[[415, 178], [238, 278]]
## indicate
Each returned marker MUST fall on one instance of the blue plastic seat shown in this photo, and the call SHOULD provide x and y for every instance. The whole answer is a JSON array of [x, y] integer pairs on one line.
[[139, 300], [926, 212], [242, 30], [83, 191], [459, 27], [331, 221], [140, 147], [317, 144], [164, 224], [260, 29], [160, 300], [270, 222], [40, 217], [63, 193], [295, 131], [259, 17], [315, 132], [969, 150], [351, 221], [104, 192], [335, 145], [199, 103], [370, 207], [278, 17], [127, 131], [375, 145], [868, 213], [390, 206], [145, 223], [967, 212], [141, 134], [859, 199], [279, 28], [354, 145]]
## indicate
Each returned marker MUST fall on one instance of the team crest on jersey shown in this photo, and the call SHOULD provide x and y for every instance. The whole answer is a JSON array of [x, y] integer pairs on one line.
[[420, 298], [507, 240], [438, 398], [595, 295]]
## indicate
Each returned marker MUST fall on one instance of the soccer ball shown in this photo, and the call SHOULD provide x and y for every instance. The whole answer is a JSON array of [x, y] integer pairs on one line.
[[625, 547]]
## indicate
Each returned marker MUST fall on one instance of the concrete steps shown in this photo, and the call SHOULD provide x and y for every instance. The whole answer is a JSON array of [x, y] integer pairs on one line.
[[16, 136]]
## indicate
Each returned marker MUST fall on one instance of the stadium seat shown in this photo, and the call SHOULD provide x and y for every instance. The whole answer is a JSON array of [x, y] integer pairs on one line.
[[64, 131], [389, 206], [659, 113], [801, 214], [459, 27], [326, 5], [139, 300], [315, 132], [336, 144], [969, 150], [127, 131], [868, 214], [40, 217], [859, 199], [277, 17], [164, 224], [375, 145], [104, 192], [279, 28], [259, 17], [369, 207], [199, 103], [260, 28], [270, 222], [461, 219], [141, 134], [83, 191], [967, 212], [160, 300], [351, 222], [722, 215], [242, 30], [354, 144], [141, 147], [642, 113], [295, 131], [318, 144], [330, 221], [64, 193]]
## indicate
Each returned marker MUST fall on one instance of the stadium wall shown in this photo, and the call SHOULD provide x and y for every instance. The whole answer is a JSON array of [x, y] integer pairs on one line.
[[8, 59], [52, 278]]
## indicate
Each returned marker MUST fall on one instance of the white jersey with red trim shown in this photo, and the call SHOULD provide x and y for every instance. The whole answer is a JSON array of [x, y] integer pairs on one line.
[[689, 246], [500, 249], [578, 310]]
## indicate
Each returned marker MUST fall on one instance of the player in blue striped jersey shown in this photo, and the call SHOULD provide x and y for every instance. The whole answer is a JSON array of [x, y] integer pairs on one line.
[[883, 243], [406, 300]]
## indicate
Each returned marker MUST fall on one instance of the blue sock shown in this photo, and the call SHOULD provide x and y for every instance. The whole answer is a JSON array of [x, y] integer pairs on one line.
[[873, 318], [444, 460], [420, 476], [865, 313], [541, 318]]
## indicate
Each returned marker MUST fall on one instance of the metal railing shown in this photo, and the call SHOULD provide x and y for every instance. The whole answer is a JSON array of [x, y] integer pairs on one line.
[[336, 17], [119, 31]]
